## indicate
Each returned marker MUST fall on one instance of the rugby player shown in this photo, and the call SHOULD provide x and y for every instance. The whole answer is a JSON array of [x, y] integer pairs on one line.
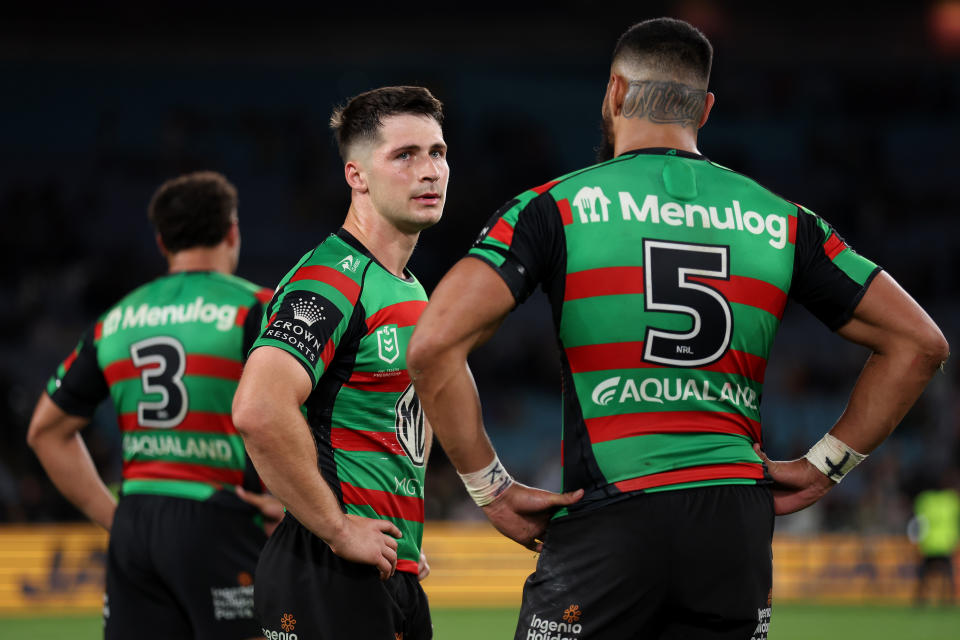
[[183, 546], [667, 275], [325, 404]]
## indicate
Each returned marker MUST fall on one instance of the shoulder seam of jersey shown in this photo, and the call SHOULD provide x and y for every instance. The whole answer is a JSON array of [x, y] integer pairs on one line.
[[579, 172]]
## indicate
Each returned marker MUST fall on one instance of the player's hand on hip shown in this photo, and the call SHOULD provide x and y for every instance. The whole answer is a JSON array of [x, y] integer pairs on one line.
[[423, 567], [522, 513], [797, 484], [368, 541], [270, 507]]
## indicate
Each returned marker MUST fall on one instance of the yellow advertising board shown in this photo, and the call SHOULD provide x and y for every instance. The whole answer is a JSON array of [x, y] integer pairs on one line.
[[60, 568]]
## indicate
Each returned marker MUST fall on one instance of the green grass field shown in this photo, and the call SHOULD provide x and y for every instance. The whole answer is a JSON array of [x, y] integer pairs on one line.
[[790, 622]]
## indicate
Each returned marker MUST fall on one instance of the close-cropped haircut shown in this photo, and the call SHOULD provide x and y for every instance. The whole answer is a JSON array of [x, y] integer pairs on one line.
[[667, 46], [193, 210], [361, 118]]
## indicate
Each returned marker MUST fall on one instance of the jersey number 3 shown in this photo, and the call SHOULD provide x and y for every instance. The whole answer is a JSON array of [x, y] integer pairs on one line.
[[161, 361], [667, 287]]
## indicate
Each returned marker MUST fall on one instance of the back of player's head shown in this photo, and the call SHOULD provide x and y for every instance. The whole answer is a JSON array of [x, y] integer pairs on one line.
[[665, 49], [193, 210], [361, 118]]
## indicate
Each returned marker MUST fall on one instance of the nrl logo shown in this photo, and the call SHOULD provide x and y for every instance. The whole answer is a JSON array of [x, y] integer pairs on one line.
[[349, 263], [388, 345], [409, 426]]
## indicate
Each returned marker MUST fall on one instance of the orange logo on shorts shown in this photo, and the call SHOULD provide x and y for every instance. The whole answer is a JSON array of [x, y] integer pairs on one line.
[[287, 622], [244, 579], [572, 613], [398, 636]]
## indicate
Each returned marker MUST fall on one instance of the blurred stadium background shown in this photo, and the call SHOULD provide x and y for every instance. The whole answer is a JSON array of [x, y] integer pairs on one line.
[[852, 110]]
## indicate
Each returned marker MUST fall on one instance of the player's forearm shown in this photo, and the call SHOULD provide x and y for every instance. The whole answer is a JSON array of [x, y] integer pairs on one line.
[[888, 386], [449, 397], [70, 467], [285, 456]]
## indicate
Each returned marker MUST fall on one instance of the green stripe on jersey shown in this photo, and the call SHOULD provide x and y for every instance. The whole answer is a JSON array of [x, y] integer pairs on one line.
[[365, 410], [208, 395], [209, 449], [172, 488], [408, 547], [373, 470], [621, 318], [854, 265], [662, 452]]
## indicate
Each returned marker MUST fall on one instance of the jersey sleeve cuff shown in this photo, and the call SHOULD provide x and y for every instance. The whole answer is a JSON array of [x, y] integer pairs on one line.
[[844, 318], [293, 353]]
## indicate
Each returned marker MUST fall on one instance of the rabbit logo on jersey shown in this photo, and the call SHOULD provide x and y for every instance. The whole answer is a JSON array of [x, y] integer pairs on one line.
[[409, 426]]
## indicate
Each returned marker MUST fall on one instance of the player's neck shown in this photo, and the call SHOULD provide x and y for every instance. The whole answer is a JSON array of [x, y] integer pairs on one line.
[[390, 246], [644, 135], [201, 259]]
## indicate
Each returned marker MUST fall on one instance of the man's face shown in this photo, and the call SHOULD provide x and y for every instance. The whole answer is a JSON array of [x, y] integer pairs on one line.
[[407, 172]]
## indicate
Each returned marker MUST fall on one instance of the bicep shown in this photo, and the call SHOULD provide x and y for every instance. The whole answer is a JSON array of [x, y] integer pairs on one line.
[[272, 374], [49, 421], [466, 308], [886, 315]]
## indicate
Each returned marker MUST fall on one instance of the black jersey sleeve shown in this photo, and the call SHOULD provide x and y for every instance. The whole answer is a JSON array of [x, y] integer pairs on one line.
[[524, 243], [78, 385], [251, 326], [829, 278]]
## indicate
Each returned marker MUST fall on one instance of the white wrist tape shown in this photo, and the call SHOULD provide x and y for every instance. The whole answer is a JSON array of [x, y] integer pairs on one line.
[[487, 484], [833, 457]]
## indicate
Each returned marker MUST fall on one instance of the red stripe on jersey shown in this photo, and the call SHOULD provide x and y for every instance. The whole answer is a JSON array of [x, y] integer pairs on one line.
[[409, 566], [792, 233], [332, 277], [197, 365], [544, 187], [629, 355], [402, 314], [264, 295], [71, 359], [383, 381], [383, 502], [242, 313], [502, 231], [694, 474], [199, 421], [98, 331], [638, 424], [327, 354], [833, 246], [566, 214], [362, 440], [749, 291], [157, 470], [605, 281]]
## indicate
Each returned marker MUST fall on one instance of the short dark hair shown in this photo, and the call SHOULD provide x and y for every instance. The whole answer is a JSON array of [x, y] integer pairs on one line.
[[671, 46], [362, 116], [193, 210]]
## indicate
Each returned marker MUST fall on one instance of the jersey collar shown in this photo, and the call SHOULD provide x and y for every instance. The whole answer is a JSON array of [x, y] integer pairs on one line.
[[351, 240], [664, 151]]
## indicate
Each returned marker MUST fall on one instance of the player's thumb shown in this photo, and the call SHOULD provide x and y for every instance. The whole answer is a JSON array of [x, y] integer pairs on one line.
[[759, 452], [568, 498]]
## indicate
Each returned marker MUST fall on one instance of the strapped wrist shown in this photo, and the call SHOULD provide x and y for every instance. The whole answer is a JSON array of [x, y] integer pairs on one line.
[[833, 457], [487, 484]]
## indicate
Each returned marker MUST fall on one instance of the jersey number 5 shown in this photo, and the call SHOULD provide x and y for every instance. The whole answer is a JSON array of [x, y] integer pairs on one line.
[[667, 287], [161, 361]]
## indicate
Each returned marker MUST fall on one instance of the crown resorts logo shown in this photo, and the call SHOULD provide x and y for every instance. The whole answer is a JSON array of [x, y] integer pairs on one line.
[[307, 311]]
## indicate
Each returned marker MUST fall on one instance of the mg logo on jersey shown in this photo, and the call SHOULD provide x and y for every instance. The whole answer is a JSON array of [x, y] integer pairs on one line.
[[388, 345], [349, 264], [603, 393], [586, 201], [409, 425]]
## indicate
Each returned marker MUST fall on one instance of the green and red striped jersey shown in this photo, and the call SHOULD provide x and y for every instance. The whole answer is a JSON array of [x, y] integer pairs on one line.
[[667, 275], [347, 320], [169, 355]]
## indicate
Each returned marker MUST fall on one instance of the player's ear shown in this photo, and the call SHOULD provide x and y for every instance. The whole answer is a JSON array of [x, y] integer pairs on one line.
[[707, 107], [233, 234], [356, 178], [616, 92], [162, 247]]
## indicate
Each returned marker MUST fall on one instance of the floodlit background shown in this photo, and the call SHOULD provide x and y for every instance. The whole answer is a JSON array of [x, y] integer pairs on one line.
[[851, 111]]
